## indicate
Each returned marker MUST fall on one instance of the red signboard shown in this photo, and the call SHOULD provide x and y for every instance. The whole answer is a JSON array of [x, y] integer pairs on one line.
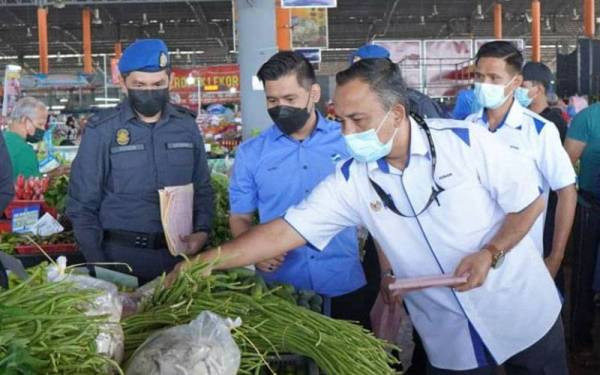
[[215, 84]]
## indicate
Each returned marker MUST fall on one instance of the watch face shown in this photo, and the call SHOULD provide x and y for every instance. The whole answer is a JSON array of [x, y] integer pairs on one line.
[[499, 259]]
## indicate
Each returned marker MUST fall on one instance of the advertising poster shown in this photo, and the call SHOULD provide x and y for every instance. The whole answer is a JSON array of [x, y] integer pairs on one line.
[[407, 54], [308, 3], [312, 54], [447, 66], [214, 84], [12, 88], [310, 28]]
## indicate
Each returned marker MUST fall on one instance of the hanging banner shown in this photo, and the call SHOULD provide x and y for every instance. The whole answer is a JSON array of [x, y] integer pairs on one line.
[[308, 3], [213, 84], [447, 65], [12, 88], [310, 28], [407, 54]]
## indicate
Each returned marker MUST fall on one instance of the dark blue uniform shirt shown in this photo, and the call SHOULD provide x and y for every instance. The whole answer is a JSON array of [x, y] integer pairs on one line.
[[114, 184]]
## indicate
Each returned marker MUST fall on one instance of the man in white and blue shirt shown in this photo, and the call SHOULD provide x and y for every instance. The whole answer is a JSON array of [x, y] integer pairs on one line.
[[497, 77], [440, 197], [279, 168]]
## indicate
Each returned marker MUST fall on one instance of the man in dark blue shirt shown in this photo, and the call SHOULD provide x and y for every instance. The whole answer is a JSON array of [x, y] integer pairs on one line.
[[126, 155]]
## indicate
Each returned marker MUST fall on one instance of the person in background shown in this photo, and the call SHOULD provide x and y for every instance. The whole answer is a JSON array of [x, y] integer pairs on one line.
[[538, 82], [576, 104], [466, 104], [7, 189], [26, 123], [497, 76], [583, 146], [126, 155], [279, 168]]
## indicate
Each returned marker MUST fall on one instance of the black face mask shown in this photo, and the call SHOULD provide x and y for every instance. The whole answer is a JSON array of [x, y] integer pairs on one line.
[[36, 137], [148, 102], [289, 119]]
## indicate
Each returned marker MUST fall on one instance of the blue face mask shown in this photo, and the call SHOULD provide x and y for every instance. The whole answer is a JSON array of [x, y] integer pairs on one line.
[[366, 147], [522, 96], [571, 111]]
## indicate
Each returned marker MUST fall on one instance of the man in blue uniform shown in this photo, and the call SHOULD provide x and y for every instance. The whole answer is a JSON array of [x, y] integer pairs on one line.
[[280, 168], [6, 181], [126, 155]]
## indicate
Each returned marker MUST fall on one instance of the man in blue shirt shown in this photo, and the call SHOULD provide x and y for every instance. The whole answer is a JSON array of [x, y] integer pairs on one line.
[[279, 168]]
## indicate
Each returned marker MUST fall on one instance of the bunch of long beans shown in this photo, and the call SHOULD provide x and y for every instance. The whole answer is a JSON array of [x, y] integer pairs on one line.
[[44, 329], [271, 325]]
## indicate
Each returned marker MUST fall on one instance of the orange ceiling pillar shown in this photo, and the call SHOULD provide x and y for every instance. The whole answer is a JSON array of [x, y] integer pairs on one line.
[[118, 50], [498, 20], [536, 31], [42, 18], [86, 21], [284, 37], [589, 15]]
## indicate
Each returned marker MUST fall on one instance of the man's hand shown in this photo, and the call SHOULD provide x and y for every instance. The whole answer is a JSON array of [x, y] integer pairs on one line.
[[553, 265], [389, 297], [195, 242], [475, 267], [271, 265]]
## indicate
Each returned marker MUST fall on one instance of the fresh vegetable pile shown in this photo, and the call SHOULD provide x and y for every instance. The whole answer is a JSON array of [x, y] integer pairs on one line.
[[270, 324], [9, 241], [56, 196], [45, 329], [220, 232], [32, 188]]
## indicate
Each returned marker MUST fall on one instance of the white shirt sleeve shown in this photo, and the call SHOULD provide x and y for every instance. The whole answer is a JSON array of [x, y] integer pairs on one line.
[[510, 178], [553, 160], [326, 211]]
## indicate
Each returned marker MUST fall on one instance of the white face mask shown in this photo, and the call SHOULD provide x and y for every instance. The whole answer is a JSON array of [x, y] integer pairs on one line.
[[491, 96], [366, 146]]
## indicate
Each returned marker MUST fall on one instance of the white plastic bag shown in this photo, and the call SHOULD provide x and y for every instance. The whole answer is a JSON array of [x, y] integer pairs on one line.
[[203, 347], [111, 339]]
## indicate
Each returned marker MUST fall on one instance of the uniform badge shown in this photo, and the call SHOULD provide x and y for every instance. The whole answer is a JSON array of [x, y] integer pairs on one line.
[[376, 206], [163, 60], [123, 137]]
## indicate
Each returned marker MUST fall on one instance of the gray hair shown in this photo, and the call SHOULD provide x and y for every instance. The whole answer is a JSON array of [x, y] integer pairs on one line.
[[26, 107]]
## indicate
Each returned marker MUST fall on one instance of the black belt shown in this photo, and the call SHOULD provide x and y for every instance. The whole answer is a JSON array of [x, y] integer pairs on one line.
[[136, 239]]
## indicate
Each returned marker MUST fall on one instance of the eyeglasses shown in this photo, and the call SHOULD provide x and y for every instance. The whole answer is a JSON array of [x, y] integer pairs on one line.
[[436, 190]]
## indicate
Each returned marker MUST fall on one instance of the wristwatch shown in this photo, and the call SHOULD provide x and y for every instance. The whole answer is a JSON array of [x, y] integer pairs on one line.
[[388, 273], [497, 255]]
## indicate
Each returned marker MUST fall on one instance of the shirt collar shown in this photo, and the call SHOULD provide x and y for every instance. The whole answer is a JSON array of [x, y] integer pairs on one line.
[[418, 147], [321, 126], [513, 119]]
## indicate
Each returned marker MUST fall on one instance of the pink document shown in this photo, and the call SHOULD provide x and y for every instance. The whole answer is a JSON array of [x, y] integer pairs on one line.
[[176, 212], [416, 283]]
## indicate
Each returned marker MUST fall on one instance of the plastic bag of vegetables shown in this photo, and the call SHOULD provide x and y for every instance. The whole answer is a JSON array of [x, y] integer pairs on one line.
[[110, 341], [203, 347]]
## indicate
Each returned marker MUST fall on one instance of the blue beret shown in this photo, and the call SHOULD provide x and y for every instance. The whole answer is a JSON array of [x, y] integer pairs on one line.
[[145, 55], [370, 51]]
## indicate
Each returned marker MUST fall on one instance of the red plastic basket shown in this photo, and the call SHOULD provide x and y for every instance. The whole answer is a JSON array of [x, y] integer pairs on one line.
[[8, 212], [50, 249], [5, 226]]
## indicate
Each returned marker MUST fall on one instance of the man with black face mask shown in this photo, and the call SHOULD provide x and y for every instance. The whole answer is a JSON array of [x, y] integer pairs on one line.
[[126, 155], [279, 168]]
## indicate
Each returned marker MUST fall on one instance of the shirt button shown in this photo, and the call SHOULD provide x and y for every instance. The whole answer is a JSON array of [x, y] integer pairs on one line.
[[307, 191], [305, 166], [312, 257]]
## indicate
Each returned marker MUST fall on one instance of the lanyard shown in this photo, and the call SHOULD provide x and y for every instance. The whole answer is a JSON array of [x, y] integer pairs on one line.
[[435, 190]]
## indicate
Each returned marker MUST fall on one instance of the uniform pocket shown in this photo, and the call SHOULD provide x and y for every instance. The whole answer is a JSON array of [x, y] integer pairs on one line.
[[130, 156], [180, 153]]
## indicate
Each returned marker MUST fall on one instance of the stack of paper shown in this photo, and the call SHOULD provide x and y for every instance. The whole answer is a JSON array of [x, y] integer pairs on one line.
[[176, 212], [418, 283]]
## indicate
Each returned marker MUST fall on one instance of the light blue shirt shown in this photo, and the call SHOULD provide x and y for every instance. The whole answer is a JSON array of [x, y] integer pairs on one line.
[[274, 172]]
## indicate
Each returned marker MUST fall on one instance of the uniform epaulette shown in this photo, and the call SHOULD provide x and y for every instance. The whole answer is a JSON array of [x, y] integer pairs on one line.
[[101, 117], [184, 111]]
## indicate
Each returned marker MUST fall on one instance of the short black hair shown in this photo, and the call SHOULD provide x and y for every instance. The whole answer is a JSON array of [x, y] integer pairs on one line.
[[504, 50], [287, 62], [382, 76]]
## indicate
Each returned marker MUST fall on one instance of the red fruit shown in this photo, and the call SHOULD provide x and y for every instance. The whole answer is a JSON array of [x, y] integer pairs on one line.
[[20, 181]]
